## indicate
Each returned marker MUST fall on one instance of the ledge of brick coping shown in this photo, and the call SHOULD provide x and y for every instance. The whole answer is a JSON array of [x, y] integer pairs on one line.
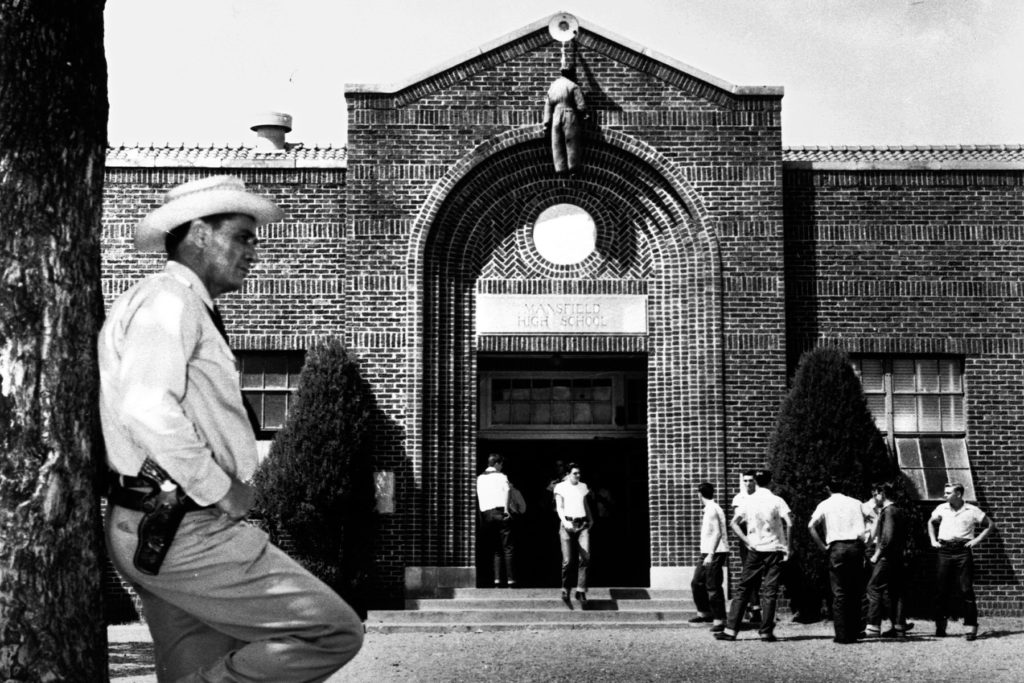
[[431, 581], [908, 165]]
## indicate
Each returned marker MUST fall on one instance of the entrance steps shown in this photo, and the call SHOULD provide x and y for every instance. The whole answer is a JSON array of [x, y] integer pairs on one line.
[[503, 609]]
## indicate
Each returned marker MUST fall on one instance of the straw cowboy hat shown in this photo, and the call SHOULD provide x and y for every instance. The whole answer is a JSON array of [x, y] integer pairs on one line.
[[198, 198]]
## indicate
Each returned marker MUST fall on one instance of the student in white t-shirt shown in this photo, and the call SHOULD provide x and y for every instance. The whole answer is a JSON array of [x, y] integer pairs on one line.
[[767, 535], [574, 530], [708, 592]]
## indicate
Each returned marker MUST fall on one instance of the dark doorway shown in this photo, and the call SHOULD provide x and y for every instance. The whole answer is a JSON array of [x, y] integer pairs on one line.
[[615, 471]]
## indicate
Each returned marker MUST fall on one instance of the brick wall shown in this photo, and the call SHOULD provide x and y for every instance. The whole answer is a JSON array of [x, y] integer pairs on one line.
[[295, 293], [925, 262], [684, 181]]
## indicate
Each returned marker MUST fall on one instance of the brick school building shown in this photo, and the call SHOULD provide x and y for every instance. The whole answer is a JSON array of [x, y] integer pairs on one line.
[[640, 317]]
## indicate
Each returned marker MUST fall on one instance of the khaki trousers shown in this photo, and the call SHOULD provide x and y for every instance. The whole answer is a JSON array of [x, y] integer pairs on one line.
[[228, 605]]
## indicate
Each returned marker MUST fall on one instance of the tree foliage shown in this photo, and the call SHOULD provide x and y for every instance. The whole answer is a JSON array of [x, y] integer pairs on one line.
[[315, 490], [824, 431], [53, 116]]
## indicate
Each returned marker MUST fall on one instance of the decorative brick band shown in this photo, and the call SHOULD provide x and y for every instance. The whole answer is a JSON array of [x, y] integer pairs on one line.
[[905, 178], [562, 344], [583, 287], [174, 175], [915, 344], [900, 289], [273, 342], [905, 232]]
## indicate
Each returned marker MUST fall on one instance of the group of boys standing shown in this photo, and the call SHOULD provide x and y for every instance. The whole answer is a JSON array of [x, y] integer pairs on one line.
[[875, 532]]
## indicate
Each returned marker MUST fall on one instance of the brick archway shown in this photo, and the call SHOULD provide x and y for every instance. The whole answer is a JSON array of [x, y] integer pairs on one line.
[[655, 237]]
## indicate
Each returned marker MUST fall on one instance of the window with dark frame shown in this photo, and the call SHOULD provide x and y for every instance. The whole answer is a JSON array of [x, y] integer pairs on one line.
[[563, 401], [269, 381], [918, 404]]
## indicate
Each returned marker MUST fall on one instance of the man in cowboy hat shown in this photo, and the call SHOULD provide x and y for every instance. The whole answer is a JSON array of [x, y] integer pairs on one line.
[[221, 602]]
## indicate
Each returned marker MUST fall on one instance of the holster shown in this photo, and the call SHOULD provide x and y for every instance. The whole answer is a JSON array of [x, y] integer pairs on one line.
[[163, 504], [163, 512]]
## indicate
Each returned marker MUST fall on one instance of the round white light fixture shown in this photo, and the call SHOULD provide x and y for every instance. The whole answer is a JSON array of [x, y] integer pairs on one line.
[[564, 234]]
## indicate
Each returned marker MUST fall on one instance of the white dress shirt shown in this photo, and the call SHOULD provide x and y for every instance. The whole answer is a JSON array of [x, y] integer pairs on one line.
[[957, 525], [492, 490], [169, 387], [843, 517]]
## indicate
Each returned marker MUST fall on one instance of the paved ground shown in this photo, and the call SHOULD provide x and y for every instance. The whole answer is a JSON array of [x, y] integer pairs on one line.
[[803, 653]]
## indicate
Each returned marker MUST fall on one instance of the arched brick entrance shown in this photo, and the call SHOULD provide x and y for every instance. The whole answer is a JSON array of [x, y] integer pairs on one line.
[[472, 236]]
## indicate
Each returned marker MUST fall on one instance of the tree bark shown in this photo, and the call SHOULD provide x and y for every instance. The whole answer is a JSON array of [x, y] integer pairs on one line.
[[53, 117]]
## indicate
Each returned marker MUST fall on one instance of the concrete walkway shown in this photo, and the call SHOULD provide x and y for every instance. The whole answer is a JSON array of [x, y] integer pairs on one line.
[[689, 653]]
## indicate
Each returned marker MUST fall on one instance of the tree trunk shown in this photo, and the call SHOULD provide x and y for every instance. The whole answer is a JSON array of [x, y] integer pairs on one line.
[[53, 117]]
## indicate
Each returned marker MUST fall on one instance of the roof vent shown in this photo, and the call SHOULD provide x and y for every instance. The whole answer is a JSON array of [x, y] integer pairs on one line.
[[271, 127]]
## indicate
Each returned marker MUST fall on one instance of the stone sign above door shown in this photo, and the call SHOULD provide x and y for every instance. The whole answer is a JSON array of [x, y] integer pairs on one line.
[[561, 314]]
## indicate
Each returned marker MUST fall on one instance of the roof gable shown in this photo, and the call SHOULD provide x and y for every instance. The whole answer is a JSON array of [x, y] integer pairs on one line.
[[535, 36]]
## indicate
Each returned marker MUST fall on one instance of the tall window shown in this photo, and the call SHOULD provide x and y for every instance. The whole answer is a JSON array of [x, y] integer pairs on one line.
[[918, 403], [269, 382], [564, 402]]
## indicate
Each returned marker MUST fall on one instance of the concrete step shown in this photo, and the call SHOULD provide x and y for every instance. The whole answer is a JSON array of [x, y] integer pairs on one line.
[[499, 603], [502, 609], [520, 616], [596, 593], [480, 627]]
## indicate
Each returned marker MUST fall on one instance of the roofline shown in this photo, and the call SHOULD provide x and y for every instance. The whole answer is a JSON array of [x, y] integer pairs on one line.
[[904, 165], [228, 163], [396, 87], [907, 164]]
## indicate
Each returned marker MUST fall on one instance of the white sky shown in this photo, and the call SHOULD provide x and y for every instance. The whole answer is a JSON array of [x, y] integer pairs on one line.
[[856, 72]]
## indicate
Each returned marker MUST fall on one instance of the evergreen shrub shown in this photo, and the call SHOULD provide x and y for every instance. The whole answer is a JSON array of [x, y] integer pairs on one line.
[[824, 430], [315, 490]]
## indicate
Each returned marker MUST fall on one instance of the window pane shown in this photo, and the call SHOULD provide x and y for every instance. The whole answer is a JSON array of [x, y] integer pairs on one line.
[[871, 374], [903, 376], [934, 462], [953, 414], [602, 413], [908, 455], [603, 390], [520, 390], [561, 414], [876, 404], [917, 486], [500, 413], [928, 376], [520, 413], [541, 414], [904, 413], [274, 409], [931, 420], [500, 389], [949, 376], [294, 371], [541, 390], [255, 400], [252, 373], [582, 414], [561, 392], [276, 372], [582, 390], [955, 452]]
